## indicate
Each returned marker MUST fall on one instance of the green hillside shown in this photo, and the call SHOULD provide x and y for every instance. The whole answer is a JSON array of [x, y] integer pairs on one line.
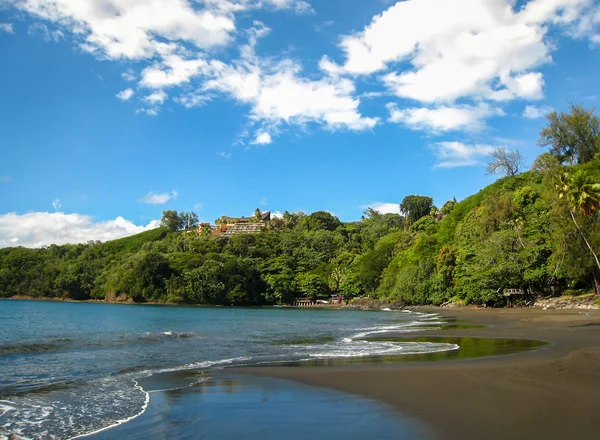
[[538, 231]]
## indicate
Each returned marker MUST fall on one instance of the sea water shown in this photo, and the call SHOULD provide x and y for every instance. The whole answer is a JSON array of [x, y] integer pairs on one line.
[[71, 369]]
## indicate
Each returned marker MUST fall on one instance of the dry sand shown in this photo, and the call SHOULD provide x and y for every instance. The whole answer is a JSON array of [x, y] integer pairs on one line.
[[550, 393]]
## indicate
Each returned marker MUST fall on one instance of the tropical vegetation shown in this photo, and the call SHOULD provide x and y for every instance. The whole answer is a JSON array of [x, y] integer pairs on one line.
[[537, 230]]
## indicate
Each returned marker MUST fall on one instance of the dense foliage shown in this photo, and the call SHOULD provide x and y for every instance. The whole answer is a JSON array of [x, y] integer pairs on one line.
[[539, 231]]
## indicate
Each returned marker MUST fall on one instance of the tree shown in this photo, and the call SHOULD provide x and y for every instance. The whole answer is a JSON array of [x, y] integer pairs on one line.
[[190, 220], [320, 220], [172, 221], [372, 214], [311, 285], [545, 162], [573, 137], [505, 161], [415, 207], [448, 207], [582, 196], [257, 215]]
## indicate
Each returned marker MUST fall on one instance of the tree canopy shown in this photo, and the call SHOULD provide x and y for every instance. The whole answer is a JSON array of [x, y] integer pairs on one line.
[[573, 137], [538, 231], [415, 207]]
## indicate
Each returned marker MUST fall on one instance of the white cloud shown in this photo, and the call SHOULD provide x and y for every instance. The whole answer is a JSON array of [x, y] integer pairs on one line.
[[459, 65], [173, 70], [299, 6], [181, 38], [458, 154], [444, 118], [7, 27], [56, 204], [278, 94], [49, 36], [276, 214], [263, 201], [124, 95], [263, 138], [533, 112], [466, 44], [471, 51], [225, 155], [137, 29], [156, 98], [285, 97], [384, 207], [133, 29], [36, 229], [159, 198], [129, 75]]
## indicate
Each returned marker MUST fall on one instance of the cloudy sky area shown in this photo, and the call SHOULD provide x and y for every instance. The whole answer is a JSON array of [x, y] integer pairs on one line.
[[114, 110]]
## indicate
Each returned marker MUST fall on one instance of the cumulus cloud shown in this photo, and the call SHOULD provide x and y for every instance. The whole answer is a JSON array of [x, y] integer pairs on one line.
[[443, 118], [533, 112], [125, 95], [458, 154], [470, 42], [278, 94], [36, 229], [153, 198], [263, 138], [137, 29], [133, 29], [180, 40], [6, 27], [384, 207], [457, 66], [468, 50]]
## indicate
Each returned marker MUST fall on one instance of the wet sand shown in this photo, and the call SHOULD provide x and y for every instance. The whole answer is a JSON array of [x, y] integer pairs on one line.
[[549, 393]]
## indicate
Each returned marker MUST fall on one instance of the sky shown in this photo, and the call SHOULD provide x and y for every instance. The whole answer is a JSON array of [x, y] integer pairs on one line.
[[112, 111]]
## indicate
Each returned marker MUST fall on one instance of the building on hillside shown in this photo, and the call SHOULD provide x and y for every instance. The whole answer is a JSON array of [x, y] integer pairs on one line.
[[237, 225], [265, 217]]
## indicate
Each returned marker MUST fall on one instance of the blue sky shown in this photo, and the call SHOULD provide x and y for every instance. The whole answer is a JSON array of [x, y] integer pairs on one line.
[[114, 110]]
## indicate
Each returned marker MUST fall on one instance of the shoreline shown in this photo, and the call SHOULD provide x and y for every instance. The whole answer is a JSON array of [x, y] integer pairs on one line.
[[548, 303], [549, 393]]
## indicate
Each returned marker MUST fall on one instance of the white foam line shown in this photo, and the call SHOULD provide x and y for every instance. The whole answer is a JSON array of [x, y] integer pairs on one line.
[[120, 422], [4, 408], [178, 388], [193, 366]]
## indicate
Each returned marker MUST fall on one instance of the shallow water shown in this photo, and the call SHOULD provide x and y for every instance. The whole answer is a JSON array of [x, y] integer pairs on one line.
[[233, 407], [68, 369]]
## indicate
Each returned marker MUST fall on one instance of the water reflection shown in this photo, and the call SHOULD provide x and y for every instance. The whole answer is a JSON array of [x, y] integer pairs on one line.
[[468, 348]]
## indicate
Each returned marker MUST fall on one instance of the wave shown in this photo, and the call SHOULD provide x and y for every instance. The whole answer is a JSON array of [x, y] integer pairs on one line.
[[367, 349], [121, 421], [33, 347], [168, 335], [406, 327], [59, 344]]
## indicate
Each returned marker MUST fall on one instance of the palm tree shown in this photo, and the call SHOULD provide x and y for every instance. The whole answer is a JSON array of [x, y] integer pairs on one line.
[[582, 196]]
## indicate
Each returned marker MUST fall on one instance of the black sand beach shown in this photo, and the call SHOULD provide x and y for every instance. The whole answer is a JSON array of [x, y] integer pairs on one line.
[[549, 393]]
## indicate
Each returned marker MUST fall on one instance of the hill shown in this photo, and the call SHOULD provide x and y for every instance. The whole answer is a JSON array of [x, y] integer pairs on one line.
[[515, 233]]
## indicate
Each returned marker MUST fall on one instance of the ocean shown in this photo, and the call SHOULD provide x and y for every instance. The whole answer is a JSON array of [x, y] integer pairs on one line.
[[69, 370]]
